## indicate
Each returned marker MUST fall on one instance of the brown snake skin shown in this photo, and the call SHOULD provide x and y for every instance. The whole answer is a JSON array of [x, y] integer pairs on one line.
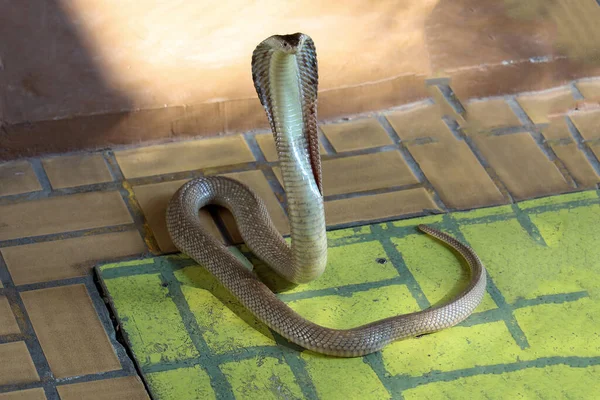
[[285, 76]]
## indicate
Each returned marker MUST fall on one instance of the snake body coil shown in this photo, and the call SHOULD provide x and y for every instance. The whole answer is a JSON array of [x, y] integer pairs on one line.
[[284, 69]]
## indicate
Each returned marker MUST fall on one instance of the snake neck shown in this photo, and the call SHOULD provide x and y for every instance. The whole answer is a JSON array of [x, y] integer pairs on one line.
[[304, 199]]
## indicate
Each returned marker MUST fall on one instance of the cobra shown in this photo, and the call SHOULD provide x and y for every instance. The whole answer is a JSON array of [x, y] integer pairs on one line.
[[284, 70]]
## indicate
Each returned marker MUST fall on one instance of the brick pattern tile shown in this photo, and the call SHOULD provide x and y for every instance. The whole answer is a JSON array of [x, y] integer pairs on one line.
[[70, 333], [257, 181], [267, 146], [540, 106], [154, 199], [8, 323], [588, 124], [363, 173], [17, 365], [18, 177], [183, 156], [447, 162], [29, 394], [130, 388], [521, 165], [560, 140], [68, 258], [419, 122], [76, 170], [489, 114], [62, 214], [378, 206], [577, 164], [356, 135], [590, 89], [456, 174], [366, 172]]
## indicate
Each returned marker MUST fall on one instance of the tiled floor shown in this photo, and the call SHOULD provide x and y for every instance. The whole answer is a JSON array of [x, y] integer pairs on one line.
[[61, 215], [533, 333]]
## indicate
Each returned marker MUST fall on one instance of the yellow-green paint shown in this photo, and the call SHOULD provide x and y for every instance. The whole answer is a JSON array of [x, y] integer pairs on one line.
[[122, 264], [152, 322], [343, 378], [553, 200], [359, 308], [181, 384], [226, 325], [523, 268], [261, 378], [558, 382], [352, 264], [483, 212], [455, 349], [345, 233], [437, 270], [534, 336], [566, 330], [430, 219]]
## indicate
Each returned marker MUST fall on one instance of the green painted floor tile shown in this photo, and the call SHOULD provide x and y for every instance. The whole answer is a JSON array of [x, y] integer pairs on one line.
[[524, 268], [343, 378], [534, 336], [560, 200], [151, 320], [344, 312], [224, 323], [558, 382], [570, 329], [455, 349], [352, 264], [438, 271], [181, 383], [262, 378], [431, 219], [483, 213]]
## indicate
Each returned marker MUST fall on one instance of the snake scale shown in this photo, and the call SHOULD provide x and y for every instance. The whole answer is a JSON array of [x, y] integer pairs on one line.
[[284, 70]]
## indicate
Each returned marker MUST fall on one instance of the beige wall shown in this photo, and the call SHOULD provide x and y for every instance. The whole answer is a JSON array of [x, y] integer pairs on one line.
[[156, 69]]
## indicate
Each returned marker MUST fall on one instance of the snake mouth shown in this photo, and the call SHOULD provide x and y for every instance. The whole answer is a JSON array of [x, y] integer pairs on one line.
[[289, 44]]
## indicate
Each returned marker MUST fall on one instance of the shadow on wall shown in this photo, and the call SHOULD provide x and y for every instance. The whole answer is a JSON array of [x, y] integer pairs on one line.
[[492, 48], [86, 74], [41, 40]]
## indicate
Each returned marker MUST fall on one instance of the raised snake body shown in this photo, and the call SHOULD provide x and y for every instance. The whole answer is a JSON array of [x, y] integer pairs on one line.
[[284, 69]]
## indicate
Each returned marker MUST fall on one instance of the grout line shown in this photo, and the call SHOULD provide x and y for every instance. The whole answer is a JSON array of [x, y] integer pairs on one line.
[[398, 262], [327, 145], [372, 192], [528, 225], [454, 128], [104, 317], [504, 308], [540, 140], [267, 169], [218, 380], [413, 165], [50, 284], [134, 208], [577, 95], [113, 313], [255, 149], [404, 382], [66, 235], [453, 125], [583, 146], [41, 175], [120, 373], [25, 326], [451, 99]]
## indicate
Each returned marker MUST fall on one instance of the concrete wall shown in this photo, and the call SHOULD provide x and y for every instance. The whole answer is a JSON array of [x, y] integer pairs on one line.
[[89, 73]]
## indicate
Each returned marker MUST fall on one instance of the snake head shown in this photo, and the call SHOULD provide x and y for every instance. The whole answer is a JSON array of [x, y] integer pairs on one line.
[[290, 44]]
